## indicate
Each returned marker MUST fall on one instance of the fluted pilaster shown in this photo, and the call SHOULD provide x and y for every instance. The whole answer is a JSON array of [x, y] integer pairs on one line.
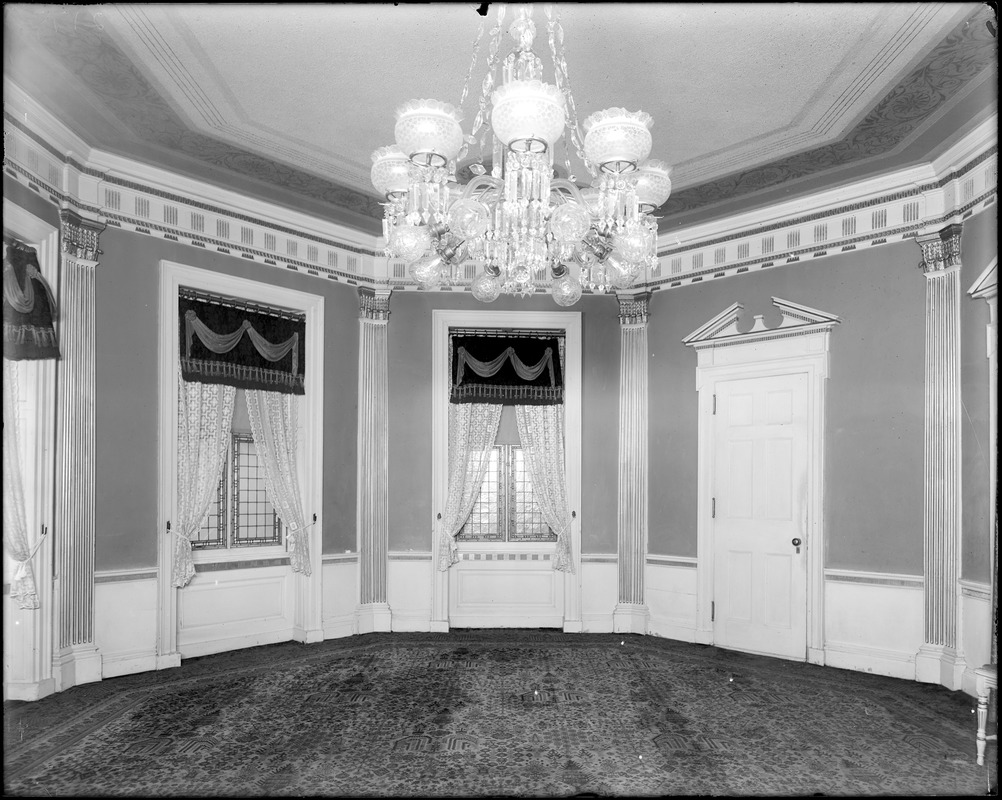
[[373, 459], [938, 660], [74, 530], [631, 611]]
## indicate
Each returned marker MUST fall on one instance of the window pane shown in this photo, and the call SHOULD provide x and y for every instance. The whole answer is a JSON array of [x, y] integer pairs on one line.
[[525, 520], [213, 530], [254, 519], [484, 524]]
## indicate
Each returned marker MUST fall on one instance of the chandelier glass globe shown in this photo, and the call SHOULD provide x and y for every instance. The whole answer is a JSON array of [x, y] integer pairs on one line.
[[486, 288], [410, 241], [469, 218], [569, 223], [566, 290]]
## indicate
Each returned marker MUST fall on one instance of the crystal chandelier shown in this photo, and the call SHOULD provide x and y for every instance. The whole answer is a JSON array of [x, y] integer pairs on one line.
[[524, 229]]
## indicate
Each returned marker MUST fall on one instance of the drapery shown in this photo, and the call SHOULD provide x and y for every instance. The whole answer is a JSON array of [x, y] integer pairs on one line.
[[204, 418], [245, 347], [541, 429], [15, 527], [28, 306], [473, 427], [275, 424], [522, 370]]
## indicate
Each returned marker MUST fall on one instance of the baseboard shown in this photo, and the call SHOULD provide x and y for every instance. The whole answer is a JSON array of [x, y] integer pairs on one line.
[[340, 626], [211, 646], [892, 663], [596, 623], [311, 636], [412, 621], [29, 690], [671, 629], [115, 664]]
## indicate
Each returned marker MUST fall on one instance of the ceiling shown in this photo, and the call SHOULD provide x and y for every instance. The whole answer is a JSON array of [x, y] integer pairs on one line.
[[751, 102]]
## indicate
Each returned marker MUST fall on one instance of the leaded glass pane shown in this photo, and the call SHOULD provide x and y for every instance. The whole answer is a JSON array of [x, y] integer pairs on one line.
[[484, 524], [213, 530], [525, 518], [254, 519]]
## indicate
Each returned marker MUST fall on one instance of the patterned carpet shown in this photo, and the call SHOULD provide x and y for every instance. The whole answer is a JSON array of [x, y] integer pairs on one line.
[[495, 713]]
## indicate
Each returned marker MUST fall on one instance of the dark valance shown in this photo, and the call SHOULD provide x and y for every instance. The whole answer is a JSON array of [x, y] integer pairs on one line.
[[28, 306], [507, 370], [241, 345]]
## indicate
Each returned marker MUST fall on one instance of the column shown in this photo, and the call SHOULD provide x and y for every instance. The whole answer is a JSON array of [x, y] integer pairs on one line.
[[373, 460], [77, 657], [939, 659], [631, 613]]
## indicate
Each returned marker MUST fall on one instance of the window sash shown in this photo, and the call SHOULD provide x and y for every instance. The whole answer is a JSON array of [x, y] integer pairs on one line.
[[506, 510]]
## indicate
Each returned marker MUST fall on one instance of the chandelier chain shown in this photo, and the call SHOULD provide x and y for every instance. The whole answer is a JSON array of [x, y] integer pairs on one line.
[[563, 81], [466, 83], [488, 83]]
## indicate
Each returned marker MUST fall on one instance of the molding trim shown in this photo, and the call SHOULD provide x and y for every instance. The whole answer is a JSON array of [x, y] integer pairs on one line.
[[686, 562], [874, 578], [120, 575], [47, 158], [340, 558], [599, 558], [407, 555]]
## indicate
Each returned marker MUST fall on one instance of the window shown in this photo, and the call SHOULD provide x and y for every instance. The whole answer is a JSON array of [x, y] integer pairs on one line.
[[241, 515], [506, 510]]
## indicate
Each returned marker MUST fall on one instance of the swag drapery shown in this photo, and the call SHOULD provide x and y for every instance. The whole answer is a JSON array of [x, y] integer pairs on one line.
[[488, 372], [225, 346], [28, 306]]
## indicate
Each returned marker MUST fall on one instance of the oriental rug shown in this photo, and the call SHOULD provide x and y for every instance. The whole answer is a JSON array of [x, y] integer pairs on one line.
[[495, 713]]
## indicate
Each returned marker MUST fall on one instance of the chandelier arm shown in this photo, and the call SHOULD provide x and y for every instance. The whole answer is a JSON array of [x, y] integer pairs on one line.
[[481, 182], [561, 184]]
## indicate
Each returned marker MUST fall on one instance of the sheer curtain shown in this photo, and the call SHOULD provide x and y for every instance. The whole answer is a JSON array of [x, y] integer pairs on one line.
[[15, 526], [204, 416], [275, 424], [473, 427], [541, 429]]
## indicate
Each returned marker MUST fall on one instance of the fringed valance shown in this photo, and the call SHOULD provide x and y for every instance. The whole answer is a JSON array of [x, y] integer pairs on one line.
[[28, 306], [241, 345], [506, 370]]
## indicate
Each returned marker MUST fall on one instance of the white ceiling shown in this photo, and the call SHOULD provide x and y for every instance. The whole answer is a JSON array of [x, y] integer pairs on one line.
[[310, 90]]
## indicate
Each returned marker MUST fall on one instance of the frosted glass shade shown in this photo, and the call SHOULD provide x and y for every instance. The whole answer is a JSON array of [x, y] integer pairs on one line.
[[617, 140], [524, 110], [410, 242], [486, 288], [428, 131], [634, 243], [428, 272], [566, 290], [468, 218], [389, 170], [653, 183], [569, 222]]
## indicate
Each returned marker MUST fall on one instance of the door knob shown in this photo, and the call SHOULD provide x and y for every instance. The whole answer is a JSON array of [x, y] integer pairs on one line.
[[796, 543]]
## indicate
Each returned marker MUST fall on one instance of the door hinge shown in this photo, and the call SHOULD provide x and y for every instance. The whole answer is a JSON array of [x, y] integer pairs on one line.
[[713, 508], [714, 405], [713, 611]]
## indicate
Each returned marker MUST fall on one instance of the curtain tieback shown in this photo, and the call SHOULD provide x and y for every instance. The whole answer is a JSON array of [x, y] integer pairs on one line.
[[21, 569]]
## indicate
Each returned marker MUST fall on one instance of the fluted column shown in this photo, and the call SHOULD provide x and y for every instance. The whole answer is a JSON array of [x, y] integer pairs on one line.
[[631, 611], [939, 659], [77, 658], [373, 460]]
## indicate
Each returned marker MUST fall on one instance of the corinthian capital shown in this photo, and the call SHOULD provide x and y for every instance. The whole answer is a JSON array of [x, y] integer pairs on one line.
[[633, 307], [374, 304], [79, 235], [940, 250]]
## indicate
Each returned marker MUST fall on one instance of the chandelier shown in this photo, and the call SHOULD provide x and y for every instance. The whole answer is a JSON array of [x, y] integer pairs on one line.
[[524, 229]]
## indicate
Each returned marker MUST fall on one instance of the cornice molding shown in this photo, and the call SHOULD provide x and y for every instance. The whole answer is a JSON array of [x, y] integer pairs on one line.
[[797, 320], [45, 156]]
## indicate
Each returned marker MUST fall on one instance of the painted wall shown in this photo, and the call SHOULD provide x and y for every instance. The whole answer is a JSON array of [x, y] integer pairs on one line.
[[30, 201], [978, 246], [127, 371], [410, 441], [873, 482]]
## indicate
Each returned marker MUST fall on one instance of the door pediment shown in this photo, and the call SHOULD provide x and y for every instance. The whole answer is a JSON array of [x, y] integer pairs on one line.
[[796, 320]]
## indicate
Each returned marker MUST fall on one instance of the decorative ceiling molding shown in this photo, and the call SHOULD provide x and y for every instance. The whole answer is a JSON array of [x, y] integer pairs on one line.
[[724, 329], [967, 54]]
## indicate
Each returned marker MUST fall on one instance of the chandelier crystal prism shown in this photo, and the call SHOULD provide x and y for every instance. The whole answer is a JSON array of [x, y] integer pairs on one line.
[[522, 229]]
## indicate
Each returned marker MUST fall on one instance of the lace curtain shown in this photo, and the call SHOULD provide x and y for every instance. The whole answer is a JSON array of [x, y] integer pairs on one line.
[[275, 424], [541, 429], [473, 427], [204, 417], [15, 526]]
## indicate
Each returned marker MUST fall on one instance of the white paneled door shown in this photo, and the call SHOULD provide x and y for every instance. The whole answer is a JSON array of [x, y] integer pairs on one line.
[[759, 515]]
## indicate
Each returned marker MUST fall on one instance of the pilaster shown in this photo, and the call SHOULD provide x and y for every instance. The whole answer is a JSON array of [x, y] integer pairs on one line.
[[373, 460], [940, 658], [77, 657], [631, 612]]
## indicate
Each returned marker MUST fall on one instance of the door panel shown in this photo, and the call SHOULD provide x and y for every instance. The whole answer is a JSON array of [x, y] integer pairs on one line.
[[760, 471]]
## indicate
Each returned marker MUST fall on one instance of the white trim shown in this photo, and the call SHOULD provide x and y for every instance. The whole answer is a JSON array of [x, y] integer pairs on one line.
[[570, 323], [798, 346], [307, 590], [875, 578]]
